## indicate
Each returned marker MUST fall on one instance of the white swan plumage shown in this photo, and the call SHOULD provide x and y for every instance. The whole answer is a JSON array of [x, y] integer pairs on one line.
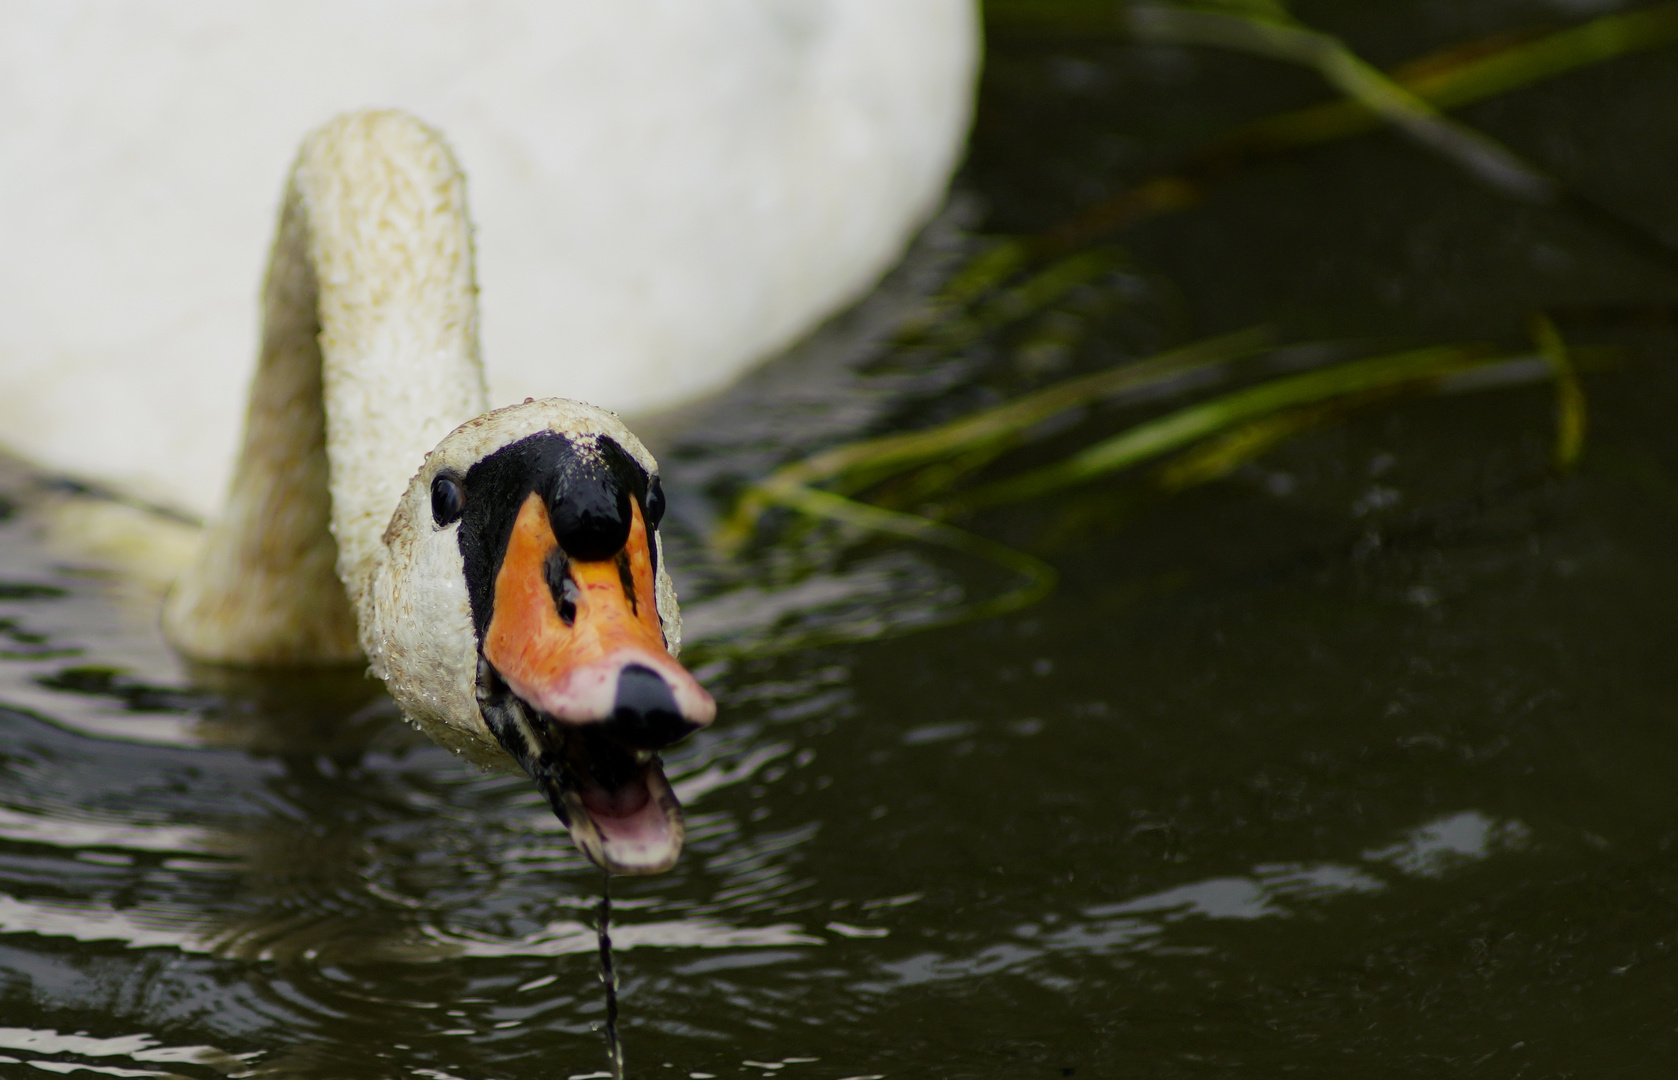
[[669, 192], [500, 570], [665, 192]]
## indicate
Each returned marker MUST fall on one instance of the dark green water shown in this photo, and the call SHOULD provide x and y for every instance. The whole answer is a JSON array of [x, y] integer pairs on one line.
[[1359, 763]]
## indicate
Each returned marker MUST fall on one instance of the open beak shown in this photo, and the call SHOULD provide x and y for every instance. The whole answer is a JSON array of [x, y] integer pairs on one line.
[[580, 688]]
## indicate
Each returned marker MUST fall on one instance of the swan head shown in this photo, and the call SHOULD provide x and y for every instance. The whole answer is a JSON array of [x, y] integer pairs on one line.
[[521, 611]]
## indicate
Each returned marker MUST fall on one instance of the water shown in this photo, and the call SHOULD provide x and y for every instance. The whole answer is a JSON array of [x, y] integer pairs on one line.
[[609, 979], [1356, 764]]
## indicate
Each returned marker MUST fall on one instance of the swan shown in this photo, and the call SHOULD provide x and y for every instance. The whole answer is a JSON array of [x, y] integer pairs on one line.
[[501, 570], [670, 191]]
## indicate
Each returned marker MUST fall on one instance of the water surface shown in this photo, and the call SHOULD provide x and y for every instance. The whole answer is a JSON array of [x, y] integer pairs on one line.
[[1357, 763]]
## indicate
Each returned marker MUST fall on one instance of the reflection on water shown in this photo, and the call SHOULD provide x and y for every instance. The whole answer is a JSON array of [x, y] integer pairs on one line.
[[1274, 890], [66, 1049], [1356, 762]]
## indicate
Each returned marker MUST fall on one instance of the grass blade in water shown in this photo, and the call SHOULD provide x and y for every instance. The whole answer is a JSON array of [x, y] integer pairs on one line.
[[1178, 429], [853, 466], [1446, 79], [1284, 39], [1571, 416]]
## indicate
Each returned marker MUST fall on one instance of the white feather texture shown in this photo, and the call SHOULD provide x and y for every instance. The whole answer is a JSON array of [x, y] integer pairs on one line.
[[368, 385], [665, 191], [369, 357]]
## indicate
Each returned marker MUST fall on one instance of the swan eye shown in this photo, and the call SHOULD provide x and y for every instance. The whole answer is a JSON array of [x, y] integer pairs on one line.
[[655, 503], [448, 500]]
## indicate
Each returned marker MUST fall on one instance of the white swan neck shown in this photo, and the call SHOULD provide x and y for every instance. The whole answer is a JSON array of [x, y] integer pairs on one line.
[[391, 246], [369, 357]]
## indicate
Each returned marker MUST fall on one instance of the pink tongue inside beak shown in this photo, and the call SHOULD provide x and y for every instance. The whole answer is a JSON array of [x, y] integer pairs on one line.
[[625, 802], [634, 828]]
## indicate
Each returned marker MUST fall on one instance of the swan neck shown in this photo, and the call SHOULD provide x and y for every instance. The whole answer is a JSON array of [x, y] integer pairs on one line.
[[369, 357], [390, 244]]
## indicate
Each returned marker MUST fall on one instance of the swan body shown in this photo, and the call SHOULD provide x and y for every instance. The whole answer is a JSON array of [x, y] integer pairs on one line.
[[669, 191], [500, 570]]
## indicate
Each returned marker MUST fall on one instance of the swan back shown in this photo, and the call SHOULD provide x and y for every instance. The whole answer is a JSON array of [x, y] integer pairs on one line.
[[672, 190]]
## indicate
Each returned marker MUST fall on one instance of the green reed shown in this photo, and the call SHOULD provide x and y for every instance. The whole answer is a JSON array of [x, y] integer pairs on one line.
[[912, 485]]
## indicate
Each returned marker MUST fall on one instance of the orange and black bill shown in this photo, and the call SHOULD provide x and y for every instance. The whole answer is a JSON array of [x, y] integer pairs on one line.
[[559, 534]]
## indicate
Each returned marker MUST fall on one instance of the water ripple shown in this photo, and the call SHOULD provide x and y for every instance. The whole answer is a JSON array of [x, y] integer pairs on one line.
[[134, 1048]]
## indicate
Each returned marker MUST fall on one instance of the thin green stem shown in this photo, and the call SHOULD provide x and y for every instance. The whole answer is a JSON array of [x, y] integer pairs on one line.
[[871, 460], [1178, 429], [1480, 154], [1038, 578], [1571, 415], [1456, 77]]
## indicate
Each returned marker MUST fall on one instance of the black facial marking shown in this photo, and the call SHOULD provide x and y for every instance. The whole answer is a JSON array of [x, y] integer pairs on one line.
[[591, 515], [586, 481], [520, 731], [591, 521], [448, 499], [627, 579], [654, 506], [493, 698]]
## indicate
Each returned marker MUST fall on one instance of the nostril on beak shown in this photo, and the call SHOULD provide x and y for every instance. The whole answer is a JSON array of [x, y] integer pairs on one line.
[[644, 713]]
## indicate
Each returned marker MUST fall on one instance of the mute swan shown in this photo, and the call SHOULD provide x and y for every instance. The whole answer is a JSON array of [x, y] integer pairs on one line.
[[501, 571], [665, 192]]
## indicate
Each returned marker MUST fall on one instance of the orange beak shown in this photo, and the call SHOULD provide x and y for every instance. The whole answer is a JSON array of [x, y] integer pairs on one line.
[[580, 643]]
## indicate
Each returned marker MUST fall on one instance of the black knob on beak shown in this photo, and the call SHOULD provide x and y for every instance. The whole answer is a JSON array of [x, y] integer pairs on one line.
[[644, 713]]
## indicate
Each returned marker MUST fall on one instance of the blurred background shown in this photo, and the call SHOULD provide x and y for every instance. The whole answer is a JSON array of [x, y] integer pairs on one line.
[[1205, 608]]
